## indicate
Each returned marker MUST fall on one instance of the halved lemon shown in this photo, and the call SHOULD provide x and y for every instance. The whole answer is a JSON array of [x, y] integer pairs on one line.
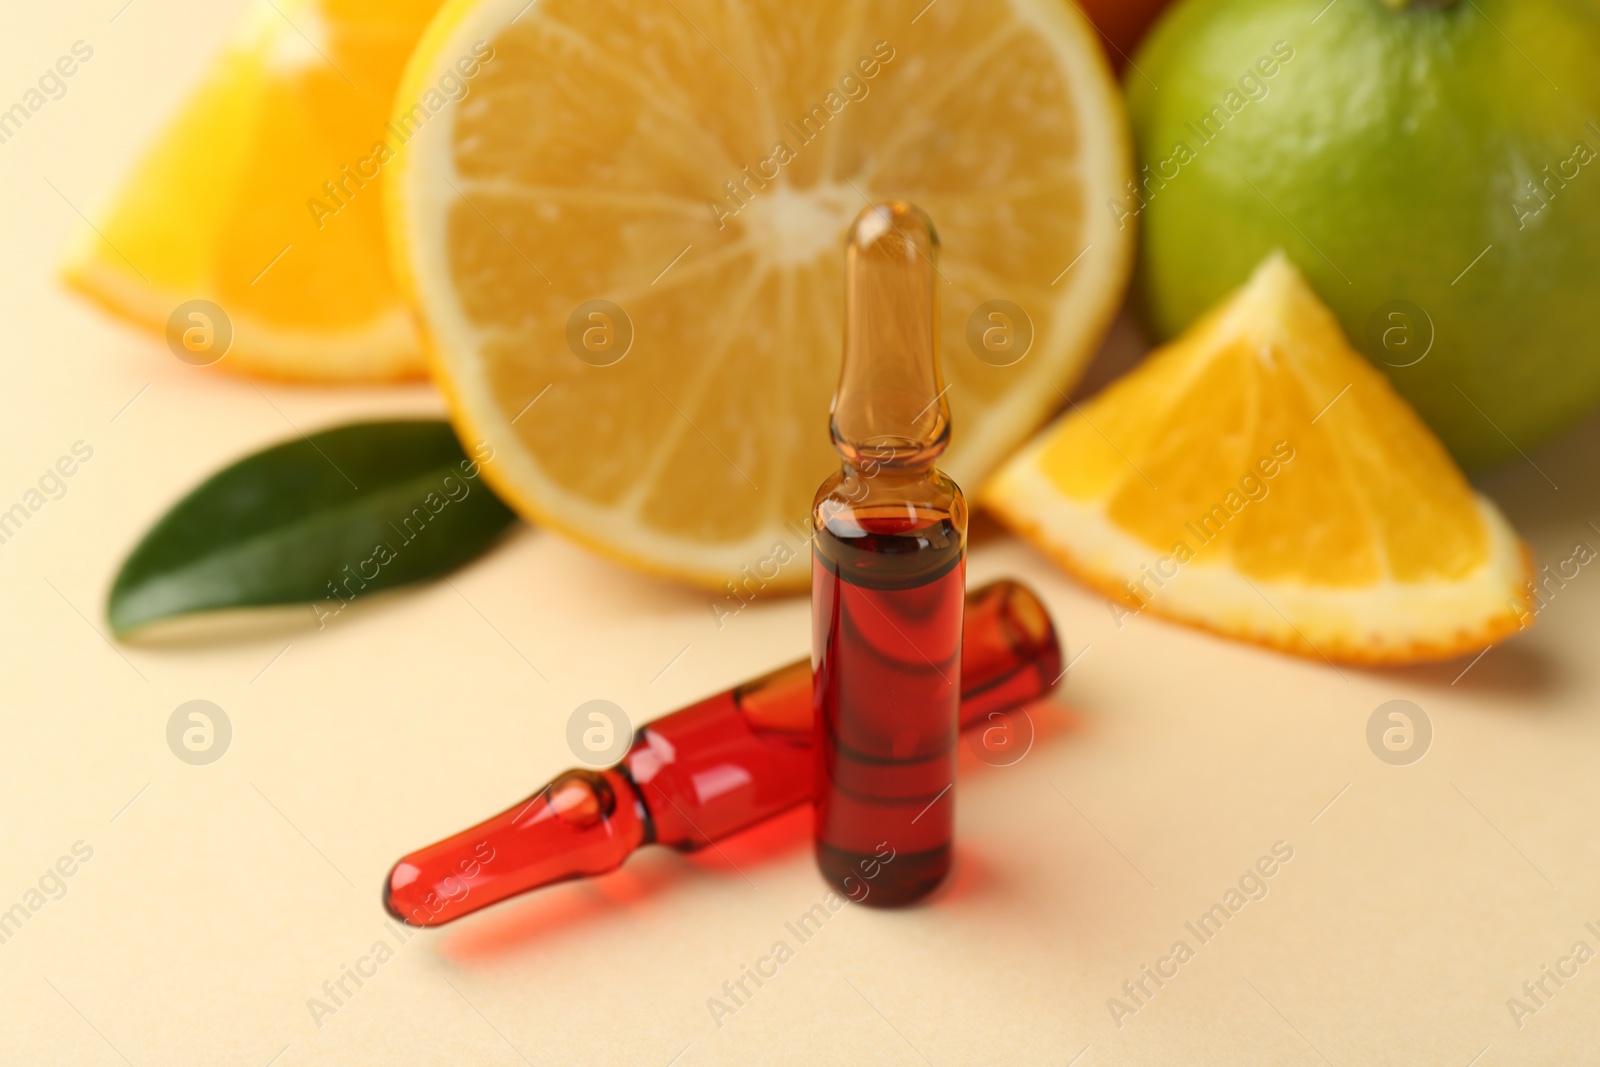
[[264, 197], [1258, 478], [627, 245]]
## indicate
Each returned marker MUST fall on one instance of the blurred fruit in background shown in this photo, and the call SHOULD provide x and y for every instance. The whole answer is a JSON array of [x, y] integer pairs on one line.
[[1434, 168], [1122, 23], [1256, 477], [264, 196], [627, 251]]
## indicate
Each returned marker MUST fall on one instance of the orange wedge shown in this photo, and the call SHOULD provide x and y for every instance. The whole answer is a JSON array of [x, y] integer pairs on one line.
[[264, 197], [1258, 478]]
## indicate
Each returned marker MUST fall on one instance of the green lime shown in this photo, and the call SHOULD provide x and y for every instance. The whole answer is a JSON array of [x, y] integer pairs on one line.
[[1433, 168]]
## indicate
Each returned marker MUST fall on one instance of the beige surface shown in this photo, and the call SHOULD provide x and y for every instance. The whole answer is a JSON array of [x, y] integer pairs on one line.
[[221, 898]]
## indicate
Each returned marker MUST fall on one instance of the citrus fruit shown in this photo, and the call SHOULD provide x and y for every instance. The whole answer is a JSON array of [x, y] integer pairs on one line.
[[627, 250], [263, 197], [1121, 24], [1258, 478], [1434, 168]]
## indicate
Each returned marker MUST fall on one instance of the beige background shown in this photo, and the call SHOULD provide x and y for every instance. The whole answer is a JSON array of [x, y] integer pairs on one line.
[[219, 899]]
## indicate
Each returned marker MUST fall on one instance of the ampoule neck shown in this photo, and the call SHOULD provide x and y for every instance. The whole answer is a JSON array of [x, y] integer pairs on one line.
[[889, 470], [890, 410]]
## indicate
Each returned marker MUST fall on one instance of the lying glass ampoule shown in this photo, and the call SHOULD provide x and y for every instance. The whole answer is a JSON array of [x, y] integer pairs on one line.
[[888, 573], [700, 773]]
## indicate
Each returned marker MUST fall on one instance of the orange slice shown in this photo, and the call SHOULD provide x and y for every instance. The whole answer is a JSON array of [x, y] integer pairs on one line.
[[1258, 478], [264, 197]]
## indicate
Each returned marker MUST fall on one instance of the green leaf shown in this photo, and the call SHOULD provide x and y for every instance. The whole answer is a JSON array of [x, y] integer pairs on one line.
[[324, 519]]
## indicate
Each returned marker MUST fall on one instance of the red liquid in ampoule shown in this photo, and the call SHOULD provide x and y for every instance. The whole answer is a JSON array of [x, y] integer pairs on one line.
[[701, 773], [887, 595]]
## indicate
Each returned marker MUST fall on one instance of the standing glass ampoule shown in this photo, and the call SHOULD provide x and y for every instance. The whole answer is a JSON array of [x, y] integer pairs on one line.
[[888, 572]]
